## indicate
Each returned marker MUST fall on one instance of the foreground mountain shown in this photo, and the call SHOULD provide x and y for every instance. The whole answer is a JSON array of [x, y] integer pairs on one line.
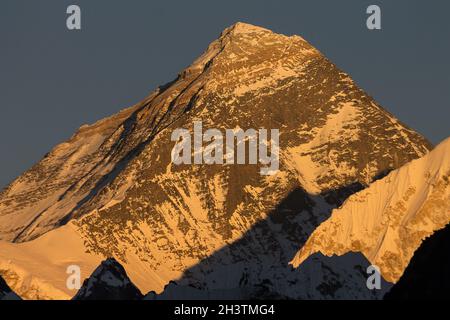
[[108, 282], [388, 221], [427, 276], [6, 293], [113, 191]]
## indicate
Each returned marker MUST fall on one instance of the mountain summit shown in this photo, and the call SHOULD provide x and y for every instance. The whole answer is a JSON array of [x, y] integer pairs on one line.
[[113, 191]]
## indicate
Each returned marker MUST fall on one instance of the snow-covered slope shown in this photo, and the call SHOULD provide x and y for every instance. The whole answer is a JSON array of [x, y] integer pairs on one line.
[[38, 269], [389, 220], [115, 185], [108, 282]]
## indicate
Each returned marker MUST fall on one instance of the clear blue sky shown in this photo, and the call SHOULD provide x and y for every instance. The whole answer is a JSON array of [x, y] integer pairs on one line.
[[53, 80]]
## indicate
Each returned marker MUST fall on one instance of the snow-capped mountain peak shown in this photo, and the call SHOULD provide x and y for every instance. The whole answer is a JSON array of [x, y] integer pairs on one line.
[[113, 191]]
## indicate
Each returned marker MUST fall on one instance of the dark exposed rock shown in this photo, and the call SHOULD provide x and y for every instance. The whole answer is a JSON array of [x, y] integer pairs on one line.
[[5, 292]]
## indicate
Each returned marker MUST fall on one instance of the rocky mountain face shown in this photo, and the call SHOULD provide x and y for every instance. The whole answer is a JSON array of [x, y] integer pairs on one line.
[[113, 190], [108, 282], [388, 221], [6, 293], [427, 276]]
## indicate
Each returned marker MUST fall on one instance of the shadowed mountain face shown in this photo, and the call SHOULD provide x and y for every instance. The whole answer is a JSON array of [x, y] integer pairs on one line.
[[116, 192], [5, 292], [427, 276], [321, 278], [257, 265], [108, 282]]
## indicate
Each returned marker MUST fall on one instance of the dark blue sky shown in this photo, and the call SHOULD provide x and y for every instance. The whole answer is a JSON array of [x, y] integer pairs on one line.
[[53, 80]]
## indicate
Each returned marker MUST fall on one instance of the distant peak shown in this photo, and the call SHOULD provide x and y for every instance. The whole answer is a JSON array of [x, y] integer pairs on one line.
[[108, 282]]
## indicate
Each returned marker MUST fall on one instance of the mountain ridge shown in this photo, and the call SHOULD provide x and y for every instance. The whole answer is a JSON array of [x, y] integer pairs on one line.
[[389, 220]]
